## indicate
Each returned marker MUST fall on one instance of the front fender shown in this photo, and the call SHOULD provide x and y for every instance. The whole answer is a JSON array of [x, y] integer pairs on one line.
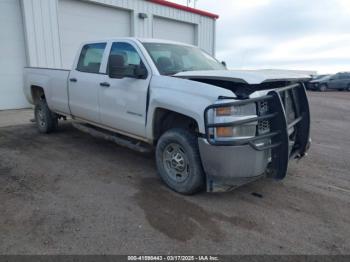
[[186, 97]]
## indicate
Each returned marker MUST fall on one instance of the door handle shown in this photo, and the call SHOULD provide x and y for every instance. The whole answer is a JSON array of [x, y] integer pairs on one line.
[[73, 80], [105, 84]]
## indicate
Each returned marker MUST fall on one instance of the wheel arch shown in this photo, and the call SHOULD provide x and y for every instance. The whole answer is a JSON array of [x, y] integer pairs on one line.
[[37, 93], [165, 119]]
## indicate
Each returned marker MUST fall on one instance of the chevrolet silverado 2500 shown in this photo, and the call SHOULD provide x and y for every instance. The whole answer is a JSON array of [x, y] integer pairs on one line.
[[210, 127]]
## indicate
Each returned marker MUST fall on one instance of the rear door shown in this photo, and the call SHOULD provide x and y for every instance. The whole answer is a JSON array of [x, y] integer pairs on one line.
[[123, 101], [84, 83]]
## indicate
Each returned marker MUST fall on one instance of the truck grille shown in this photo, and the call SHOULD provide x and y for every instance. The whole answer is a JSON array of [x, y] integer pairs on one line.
[[283, 119], [263, 125]]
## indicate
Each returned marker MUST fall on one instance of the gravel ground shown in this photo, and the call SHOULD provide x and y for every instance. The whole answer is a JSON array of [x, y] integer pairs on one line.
[[69, 193]]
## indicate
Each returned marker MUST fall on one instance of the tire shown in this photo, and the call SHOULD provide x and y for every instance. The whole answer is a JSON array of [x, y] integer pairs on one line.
[[46, 120], [178, 161], [348, 88], [322, 88]]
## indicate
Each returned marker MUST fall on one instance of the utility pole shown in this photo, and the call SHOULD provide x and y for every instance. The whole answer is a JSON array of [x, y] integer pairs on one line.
[[194, 3]]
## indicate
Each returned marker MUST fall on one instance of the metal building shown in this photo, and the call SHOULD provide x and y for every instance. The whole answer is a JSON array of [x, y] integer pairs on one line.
[[47, 33]]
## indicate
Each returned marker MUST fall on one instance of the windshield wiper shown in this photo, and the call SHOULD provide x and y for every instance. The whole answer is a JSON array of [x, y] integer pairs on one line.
[[179, 71], [189, 69], [172, 73]]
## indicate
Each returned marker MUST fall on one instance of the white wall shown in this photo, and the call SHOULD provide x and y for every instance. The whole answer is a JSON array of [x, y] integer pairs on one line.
[[12, 55], [43, 35], [80, 21], [169, 29]]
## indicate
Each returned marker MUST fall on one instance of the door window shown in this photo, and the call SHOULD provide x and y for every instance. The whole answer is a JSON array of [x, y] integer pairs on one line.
[[128, 57], [90, 58], [344, 76]]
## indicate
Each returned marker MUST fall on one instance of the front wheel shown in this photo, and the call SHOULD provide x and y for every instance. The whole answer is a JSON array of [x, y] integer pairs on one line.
[[322, 88], [348, 88], [46, 120], [178, 161]]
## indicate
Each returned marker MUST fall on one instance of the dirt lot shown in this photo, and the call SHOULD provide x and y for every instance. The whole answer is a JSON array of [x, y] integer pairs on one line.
[[73, 194]]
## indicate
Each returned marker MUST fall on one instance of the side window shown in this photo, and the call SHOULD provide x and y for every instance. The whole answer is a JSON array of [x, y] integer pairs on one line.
[[345, 76], [125, 61], [90, 58], [127, 54]]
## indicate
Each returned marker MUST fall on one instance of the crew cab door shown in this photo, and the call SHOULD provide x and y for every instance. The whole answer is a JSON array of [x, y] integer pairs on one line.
[[83, 83], [123, 93]]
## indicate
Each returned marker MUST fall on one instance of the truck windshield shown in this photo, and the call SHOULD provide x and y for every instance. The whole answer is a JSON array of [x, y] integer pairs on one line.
[[171, 59]]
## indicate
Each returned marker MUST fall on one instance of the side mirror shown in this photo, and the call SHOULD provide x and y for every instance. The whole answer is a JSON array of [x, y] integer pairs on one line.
[[224, 63], [140, 72], [116, 73], [116, 67]]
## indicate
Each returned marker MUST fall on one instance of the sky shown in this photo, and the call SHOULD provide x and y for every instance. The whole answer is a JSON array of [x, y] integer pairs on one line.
[[282, 34]]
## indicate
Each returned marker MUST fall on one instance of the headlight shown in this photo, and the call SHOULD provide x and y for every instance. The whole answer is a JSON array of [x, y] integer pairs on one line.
[[232, 114]]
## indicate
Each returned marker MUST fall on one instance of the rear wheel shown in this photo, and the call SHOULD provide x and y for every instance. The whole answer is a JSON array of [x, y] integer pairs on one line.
[[322, 88], [178, 161], [348, 88], [46, 120]]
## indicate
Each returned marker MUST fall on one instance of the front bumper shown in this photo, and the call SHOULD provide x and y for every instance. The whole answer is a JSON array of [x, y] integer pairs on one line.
[[228, 167], [231, 164]]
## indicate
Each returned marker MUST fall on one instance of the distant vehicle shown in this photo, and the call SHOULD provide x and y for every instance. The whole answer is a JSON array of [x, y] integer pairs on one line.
[[316, 77], [339, 81], [309, 85]]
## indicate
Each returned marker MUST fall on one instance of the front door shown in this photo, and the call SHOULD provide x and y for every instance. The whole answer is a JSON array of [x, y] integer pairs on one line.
[[84, 83], [123, 100]]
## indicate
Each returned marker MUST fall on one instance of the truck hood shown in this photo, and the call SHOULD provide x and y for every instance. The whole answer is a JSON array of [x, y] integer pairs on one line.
[[322, 79], [250, 77]]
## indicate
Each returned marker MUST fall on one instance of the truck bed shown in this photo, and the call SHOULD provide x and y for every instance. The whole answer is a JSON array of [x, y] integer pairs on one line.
[[55, 83]]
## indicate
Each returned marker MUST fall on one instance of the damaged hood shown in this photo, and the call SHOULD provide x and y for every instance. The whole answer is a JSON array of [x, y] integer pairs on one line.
[[251, 77]]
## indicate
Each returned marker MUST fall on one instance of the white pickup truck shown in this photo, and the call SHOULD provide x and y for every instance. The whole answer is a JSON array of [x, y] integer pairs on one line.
[[210, 127]]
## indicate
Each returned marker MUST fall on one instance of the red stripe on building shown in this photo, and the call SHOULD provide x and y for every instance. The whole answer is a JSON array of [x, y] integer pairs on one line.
[[185, 8]]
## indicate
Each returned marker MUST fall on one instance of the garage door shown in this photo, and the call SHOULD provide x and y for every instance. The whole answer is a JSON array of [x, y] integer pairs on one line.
[[12, 56], [174, 30], [81, 21]]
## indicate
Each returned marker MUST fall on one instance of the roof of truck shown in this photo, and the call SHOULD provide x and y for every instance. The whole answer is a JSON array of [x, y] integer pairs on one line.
[[142, 40]]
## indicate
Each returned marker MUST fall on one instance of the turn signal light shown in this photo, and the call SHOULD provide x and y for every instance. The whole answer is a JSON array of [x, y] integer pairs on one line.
[[224, 132], [223, 111]]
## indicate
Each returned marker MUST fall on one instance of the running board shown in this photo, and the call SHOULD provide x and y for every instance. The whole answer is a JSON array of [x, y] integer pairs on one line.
[[121, 140]]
